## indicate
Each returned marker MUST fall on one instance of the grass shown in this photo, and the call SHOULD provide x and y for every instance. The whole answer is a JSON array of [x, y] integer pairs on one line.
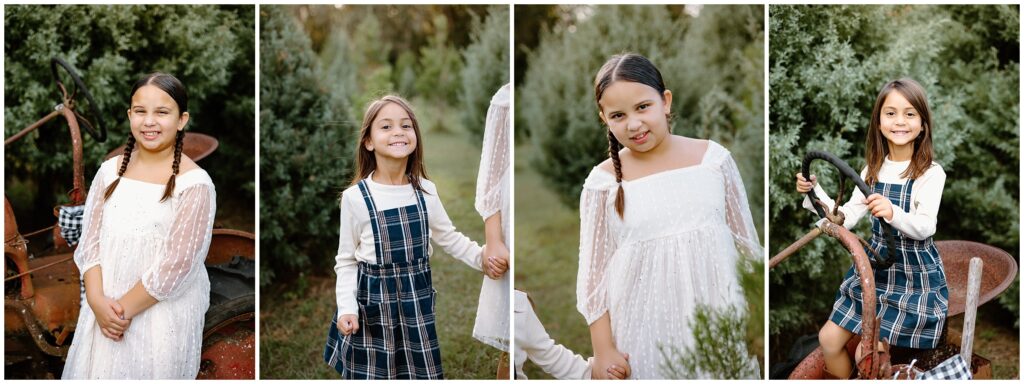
[[294, 320], [546, 259], [546, 262]]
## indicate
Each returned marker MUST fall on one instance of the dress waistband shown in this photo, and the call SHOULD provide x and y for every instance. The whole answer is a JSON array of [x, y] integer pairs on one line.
[[395, 269]]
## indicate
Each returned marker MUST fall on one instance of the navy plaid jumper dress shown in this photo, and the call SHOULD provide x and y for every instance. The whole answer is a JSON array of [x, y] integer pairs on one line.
[[912, 293], [396, 337]]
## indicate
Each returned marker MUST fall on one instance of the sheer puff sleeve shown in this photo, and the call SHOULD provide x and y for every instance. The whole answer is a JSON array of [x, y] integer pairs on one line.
[[187, 243], [87, 254], [596, 244], [494, 159], [737, 208]]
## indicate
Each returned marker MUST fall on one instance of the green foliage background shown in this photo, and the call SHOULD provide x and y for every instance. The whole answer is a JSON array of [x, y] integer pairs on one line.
[[209, 47], [711, 58], [826, 66]]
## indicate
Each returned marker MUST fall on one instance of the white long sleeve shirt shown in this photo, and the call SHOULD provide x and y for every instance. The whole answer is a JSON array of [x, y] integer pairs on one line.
[[534, 343], [355, 243], [925, 197]]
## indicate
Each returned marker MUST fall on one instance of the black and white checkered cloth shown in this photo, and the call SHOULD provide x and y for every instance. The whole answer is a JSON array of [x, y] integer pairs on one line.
[[954, 368], [70, 222]]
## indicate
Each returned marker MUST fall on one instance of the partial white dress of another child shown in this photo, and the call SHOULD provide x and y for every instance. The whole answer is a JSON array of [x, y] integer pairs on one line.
[[492, 196], [133, 236], [676, 247]]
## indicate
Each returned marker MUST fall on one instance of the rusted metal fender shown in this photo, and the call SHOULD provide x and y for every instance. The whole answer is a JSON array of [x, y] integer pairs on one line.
[[873, 359]]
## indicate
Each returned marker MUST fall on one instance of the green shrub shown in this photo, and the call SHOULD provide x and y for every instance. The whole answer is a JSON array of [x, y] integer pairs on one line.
[[485, 69], [305, 151], [208, 47]]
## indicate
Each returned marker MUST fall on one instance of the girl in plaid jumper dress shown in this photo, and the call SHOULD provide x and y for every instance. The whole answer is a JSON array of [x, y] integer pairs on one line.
[[907, 189], [384, 327]]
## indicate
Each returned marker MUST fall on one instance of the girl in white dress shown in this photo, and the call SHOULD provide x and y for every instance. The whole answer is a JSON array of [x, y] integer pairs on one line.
[[663, 222], [147, 227], [492, 203]]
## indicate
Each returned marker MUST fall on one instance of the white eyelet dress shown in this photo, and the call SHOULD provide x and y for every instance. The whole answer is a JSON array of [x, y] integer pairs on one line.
[[134, 237], [676, 247]]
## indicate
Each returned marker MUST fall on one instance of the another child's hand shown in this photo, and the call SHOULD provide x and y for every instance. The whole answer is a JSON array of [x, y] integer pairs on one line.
[[109, 317], [611, 366], [348, 324], [495, 260], [804, 186], [879, 206]]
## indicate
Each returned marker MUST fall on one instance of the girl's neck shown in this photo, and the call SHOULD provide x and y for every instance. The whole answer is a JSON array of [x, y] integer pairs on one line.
[[390, 172], [147, 157], [657, 154], [901, 152]]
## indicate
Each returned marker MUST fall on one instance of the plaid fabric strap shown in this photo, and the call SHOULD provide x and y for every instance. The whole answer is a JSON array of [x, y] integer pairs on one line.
[[70, 221]]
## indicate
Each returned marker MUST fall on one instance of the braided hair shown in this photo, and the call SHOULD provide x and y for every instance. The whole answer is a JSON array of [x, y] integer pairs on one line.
[[174, 88], [625, 67]]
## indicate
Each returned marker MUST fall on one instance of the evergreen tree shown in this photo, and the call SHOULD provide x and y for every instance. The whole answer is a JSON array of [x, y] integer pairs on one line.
[[486, 67], [305, 151], [111, 46]]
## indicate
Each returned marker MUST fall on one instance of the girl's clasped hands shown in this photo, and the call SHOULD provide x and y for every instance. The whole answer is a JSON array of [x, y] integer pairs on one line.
[[495, 260], [109, 316]]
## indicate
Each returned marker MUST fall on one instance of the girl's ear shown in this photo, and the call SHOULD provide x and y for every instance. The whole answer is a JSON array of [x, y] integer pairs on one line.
[[183, 121], [667, 95], [601, 116], [368, 145]]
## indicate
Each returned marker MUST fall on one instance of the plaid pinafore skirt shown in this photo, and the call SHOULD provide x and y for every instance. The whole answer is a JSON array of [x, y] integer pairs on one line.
[[396, 337], [912, 293]]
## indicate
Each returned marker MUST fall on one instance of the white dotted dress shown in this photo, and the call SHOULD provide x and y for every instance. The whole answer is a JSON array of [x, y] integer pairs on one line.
[[676, 247], [133, 236]]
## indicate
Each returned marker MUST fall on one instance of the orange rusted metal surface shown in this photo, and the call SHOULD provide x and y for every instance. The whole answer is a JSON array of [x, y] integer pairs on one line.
[[230, 353], [197, 146]]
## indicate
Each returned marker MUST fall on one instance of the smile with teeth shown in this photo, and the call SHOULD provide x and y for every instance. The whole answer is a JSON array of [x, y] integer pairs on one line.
[[150, 135], [640, 137], [398, 144]]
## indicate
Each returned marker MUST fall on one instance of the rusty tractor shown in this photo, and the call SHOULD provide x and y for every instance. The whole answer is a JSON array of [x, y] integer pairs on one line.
[[975, 274]]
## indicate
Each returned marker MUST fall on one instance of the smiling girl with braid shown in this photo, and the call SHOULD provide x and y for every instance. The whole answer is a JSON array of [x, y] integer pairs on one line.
[[147, 227], [663, 223]]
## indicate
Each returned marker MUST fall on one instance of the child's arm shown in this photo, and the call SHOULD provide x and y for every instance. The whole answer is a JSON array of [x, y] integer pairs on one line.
[[737, 212], [443, 232], [87, 255], [533, 339], [853, 209], [186, 249], [927, 195], [345, 264], [596, 250], [495, 252], [491, 186], [109, 314], [608, 361], [87, 258]]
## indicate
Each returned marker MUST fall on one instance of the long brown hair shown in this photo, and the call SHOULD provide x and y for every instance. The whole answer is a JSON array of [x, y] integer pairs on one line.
[[173, 87], [877, 147], [625, 67], [366, 162]]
